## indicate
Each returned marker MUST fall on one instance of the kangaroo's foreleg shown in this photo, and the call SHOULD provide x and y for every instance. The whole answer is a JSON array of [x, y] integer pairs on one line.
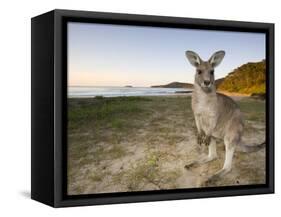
[[209, 127], [200, 133], [202, 136]]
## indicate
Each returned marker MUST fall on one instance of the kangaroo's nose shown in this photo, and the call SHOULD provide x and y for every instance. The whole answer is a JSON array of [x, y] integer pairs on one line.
[[207, 82]]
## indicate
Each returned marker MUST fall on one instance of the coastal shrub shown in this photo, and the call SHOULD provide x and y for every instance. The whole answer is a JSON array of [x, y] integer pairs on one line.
[[248, 78]]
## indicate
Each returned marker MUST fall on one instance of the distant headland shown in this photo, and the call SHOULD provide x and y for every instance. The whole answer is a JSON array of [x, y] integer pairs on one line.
[[174, 85]]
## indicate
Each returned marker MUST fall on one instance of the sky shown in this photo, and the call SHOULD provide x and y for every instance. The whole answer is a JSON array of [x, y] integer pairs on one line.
[[119, 55]]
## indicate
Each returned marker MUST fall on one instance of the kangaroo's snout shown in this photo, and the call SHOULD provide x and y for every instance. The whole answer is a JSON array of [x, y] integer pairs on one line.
[[207, 83]]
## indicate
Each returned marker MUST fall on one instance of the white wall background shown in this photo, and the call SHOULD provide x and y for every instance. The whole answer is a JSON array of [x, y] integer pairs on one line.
[[15, 106]]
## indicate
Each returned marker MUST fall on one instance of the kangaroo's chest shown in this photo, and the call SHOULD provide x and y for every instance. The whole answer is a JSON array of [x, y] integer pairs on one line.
[[205, 112], [204, 106]]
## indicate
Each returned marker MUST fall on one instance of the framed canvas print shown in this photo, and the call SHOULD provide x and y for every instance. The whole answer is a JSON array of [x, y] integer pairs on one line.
[[133, 108]]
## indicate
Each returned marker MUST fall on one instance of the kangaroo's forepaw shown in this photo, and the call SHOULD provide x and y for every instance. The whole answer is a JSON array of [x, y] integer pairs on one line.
[[207, 140], [200, 138]]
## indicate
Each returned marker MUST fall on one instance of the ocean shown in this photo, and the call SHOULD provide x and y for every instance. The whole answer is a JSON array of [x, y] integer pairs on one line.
[[80, 92]]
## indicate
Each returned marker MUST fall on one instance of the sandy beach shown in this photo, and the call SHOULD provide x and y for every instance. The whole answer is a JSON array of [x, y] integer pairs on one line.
[[143, 143]]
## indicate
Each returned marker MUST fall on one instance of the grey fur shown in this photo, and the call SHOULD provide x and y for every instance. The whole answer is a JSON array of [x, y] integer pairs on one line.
[[216, 115]]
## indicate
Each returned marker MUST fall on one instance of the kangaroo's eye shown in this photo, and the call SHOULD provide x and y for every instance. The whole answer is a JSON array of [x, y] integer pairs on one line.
[[212, 72], [199, 72]]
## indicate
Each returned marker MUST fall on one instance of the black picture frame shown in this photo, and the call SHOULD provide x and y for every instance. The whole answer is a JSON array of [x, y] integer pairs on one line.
[[49, 107]]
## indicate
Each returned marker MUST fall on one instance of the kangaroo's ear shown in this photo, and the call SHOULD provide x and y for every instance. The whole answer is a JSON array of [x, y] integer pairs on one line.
[[216, 58], [193, 58]]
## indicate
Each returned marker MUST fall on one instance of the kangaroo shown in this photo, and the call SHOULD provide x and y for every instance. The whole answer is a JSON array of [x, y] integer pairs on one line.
[[216, 115]]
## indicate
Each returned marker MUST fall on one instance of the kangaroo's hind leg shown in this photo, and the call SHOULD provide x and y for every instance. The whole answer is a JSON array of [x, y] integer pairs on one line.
[[212, 155], [230, 145]]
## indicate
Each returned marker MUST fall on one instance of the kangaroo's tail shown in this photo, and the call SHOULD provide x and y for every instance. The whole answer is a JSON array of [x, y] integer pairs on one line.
[[251, 148]]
